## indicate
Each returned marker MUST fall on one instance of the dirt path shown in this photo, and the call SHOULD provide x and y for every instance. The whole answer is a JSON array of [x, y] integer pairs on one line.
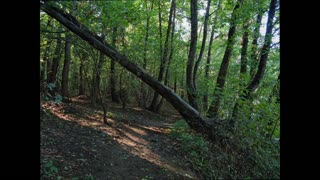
[[135, 146]]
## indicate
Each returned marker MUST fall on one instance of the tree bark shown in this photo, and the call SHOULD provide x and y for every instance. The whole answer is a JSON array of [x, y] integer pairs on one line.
[[218, 91], [114, 94], [192, 116], [66, 66], [81, 74], [45, 63], [55, 61], [243, 59], [191, 91]]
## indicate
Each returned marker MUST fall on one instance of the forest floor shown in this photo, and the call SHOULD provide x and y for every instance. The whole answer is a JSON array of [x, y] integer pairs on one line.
[[76, 144]]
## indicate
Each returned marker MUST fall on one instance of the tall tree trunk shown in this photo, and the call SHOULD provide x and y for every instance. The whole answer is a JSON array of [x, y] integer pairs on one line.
[[218, 91], [191, 91], [207, 67], [81, 74], [254, 54], [166, 79], [154, 103], [45, 63], [97, 77], [114, 94], [46, 60], [243, 63], [192, 116], [253, 85], [204, 38], [67, 60], [49, 65], [55, 61], [243, 59], [66, 66], [142, 101]]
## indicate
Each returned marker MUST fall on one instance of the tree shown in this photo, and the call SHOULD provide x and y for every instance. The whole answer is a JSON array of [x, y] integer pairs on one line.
[[253, 85], [154, 104], [142, 101], [208, 62], [114, 94], [191, 91], [55, 62], [214, 107], [166, 78], [66, 66], [254, 54], [204, 38]]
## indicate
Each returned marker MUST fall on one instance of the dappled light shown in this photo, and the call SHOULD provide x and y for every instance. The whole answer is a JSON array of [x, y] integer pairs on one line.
[[134, 139], [160, 89]]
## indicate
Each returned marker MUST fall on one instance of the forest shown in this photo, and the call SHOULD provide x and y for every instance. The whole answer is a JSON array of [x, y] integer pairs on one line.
[[160, 89]]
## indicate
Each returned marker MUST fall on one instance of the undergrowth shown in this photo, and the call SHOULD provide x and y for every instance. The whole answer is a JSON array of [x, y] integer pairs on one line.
[[251, 158]]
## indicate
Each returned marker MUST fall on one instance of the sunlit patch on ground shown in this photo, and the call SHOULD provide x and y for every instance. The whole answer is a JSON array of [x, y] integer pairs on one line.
[[141, 137]]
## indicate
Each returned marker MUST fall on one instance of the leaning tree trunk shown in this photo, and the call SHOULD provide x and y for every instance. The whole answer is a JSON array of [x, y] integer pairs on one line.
[[218, 91], [192, 116], [253, 85], [191, 91]]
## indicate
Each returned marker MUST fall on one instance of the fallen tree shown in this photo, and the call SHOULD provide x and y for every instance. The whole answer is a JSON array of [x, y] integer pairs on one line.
[[200, 124]]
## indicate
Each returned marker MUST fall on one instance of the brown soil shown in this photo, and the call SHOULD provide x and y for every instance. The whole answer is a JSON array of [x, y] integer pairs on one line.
[[134, 146]]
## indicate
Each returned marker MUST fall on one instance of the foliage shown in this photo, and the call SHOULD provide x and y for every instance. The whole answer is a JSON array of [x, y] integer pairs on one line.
[[254, 157], [258, 119], [51, 87], [48, 170]]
